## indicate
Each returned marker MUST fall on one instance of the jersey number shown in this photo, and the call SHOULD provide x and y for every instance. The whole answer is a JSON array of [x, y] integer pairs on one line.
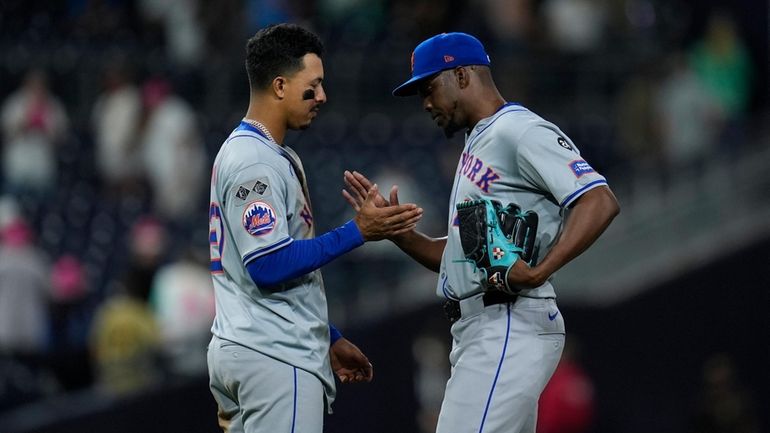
[[216, 241]]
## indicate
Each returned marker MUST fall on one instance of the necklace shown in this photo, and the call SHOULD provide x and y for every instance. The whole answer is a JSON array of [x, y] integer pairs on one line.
[[261, 127]]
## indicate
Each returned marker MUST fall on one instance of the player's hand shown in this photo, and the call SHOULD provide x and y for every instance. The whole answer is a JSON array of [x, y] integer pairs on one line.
[[357, 186], [349, 363], [377, 223], [523, 276]]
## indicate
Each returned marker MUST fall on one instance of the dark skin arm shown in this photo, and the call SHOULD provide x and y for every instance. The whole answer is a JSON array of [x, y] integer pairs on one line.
[[425, 250], [349, 363], [377, 222], [586, 221]]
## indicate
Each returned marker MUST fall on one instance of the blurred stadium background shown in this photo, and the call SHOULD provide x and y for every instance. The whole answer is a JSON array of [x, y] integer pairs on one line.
[[112, 112]]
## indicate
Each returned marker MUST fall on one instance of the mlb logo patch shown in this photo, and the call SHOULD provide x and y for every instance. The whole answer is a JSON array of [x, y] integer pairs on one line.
[[259, 218], [580, 167]]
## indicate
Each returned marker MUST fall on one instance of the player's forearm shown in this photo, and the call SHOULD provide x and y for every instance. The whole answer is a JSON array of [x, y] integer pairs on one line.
[[423, 249], [587, 220], [303, 256]]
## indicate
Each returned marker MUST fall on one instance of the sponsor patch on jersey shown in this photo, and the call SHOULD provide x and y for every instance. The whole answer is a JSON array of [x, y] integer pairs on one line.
[[580, 167], [259, 218], [564, 143]]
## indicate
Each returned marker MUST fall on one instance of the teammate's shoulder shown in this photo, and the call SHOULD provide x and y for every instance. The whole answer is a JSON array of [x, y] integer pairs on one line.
[[243, 149], [515, 112], [514, 119], [247, 145]]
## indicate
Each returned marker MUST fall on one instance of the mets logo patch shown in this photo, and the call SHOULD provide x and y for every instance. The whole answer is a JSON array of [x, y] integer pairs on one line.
[[580, 167], [259, 218]]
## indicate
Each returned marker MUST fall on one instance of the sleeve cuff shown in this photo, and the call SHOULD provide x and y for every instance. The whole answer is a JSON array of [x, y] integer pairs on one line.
[[334, 334], [351, 232]]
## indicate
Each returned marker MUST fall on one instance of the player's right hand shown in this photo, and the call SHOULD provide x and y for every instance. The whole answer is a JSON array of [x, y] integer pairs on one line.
[[381, 222]]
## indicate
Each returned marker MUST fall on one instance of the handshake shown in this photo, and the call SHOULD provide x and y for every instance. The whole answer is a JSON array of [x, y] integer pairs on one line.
[[376, 217]]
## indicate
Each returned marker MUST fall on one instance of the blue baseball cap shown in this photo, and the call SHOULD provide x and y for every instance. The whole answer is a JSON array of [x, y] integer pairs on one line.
[[441, 52]]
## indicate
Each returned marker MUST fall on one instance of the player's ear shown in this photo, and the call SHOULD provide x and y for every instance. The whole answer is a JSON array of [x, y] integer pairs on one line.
[[279, 87], [463, 77]]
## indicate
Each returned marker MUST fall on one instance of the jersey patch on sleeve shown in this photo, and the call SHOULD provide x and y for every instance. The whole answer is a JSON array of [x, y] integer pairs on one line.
[[253, 189], [563, 143], [580, 167], [259, 218], [261, 187], [242, 193]]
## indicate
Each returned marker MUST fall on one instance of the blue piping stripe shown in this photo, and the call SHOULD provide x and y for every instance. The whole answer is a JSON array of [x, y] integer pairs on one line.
[[252, 255], [499, 367], [446, 292], [572, 196], [294, 412], [216, 266], [476, 138]]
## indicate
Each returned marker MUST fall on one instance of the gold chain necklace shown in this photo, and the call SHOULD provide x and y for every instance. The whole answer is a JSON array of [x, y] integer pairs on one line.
[[261, 127]]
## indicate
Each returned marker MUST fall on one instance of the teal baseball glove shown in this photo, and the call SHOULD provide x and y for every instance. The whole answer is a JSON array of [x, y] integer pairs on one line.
[[495, 237]]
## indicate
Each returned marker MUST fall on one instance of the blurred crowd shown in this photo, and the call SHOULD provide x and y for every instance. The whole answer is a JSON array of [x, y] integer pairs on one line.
[[113, 110]]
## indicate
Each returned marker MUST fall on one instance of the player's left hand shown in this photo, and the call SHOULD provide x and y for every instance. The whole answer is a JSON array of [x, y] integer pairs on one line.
[[357, 187], [523, 276], [349, 363]]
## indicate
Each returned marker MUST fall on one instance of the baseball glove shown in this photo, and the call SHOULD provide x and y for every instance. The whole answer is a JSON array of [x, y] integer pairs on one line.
[[495, 237]]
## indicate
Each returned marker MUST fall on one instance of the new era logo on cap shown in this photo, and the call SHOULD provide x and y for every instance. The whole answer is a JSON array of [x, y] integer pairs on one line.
[[444, 51]]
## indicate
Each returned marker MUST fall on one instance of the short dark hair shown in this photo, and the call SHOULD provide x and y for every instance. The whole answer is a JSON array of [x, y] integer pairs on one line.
[[278, 50]]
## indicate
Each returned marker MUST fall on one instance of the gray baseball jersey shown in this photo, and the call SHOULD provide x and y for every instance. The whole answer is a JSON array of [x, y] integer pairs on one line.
[[258, 205], [514, 156], [504, 354]]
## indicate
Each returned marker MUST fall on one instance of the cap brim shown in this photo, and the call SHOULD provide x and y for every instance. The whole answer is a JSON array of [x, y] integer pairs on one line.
[[409, 88]]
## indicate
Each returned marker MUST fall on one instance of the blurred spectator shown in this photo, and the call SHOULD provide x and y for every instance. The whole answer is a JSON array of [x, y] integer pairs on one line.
[[124, 341], [148, 246], [116, 116], [182, 299], [722, 64], [33, 123], [173, 153], [24, 293], [721, 61], [71, 314], [576, 26], [182, 29], [511, 21], [567, 402], [724, 405], [687, 117], [124, 336]]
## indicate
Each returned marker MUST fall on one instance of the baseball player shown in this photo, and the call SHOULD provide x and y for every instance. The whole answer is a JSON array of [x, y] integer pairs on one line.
[[508, 334], [273, 351]]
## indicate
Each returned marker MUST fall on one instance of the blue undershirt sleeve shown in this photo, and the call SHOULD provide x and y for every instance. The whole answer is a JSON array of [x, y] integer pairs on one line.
[[303, 256], [334, 334]]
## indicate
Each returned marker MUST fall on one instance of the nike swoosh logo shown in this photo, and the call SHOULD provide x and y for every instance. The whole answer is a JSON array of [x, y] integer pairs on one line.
[[552, 316]]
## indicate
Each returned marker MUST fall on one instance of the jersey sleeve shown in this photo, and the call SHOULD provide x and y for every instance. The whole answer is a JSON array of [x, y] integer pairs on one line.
[[551, 162], [255, 207]]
